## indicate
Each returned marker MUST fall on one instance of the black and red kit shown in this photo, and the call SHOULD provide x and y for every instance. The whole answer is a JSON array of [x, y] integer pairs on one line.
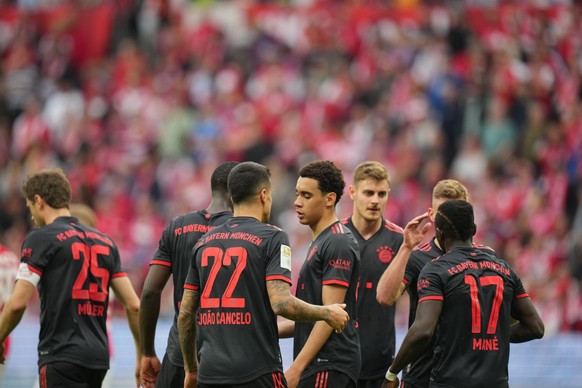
[[375, 321], [175, 251], [333, 259], [72, 265], [237, 329], [472, 340]]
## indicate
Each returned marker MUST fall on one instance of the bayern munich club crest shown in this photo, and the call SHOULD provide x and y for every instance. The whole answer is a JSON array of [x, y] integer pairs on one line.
[[385, 254]]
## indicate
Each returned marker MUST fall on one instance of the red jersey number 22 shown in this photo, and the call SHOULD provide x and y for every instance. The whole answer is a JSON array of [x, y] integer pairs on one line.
[[223, 258]]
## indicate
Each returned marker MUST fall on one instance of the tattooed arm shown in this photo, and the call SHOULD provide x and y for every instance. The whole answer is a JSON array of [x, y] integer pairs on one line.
[[187, 333], [288, 306]]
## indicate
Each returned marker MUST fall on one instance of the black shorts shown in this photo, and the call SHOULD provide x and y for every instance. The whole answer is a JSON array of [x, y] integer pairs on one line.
[[270, 380], [371, 383], [170, 376], [62, 374], [327, 379]]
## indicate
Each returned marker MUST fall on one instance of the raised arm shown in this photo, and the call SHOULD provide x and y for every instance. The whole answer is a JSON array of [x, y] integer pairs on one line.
[[529, 325], [318, 337], [149, 313], [125, 293], [187, 331], [391, 286]]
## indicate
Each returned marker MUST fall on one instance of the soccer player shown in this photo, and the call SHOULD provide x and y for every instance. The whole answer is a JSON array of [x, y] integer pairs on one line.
[[238, 283], [73, 266], [8, 269], [378, 241], [328, 275], [402, 273], [472, 295], [173, 258]]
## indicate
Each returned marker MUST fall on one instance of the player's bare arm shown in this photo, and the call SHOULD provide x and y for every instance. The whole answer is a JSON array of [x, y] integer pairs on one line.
[[418, 336], [125, 293], [391, 286], [149, 312], [187, 332], [288, 306], [318, 337], [530, 325], [14, 310]]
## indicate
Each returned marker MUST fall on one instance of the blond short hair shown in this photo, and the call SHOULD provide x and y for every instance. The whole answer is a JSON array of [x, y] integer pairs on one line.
[[450, 189], [370, 170]]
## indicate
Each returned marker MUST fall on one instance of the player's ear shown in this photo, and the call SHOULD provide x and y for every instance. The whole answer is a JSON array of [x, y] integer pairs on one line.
[[352, 191], [330, 199], [474, 230], [263, 195]]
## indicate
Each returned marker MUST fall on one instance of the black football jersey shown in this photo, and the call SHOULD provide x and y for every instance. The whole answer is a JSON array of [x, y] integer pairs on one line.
[[375, 321], [472, 340], [72, 266], [175, 251], [237, 328], [333, 259], [418, 373]]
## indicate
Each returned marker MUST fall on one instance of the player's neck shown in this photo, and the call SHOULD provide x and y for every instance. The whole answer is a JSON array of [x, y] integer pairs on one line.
[[325, 221], [218, 205], [248, 211], [52, 214], [366, 228]]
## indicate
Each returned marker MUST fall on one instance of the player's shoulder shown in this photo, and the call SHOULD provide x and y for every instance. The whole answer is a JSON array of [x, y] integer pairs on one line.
[[392, 227], [338, 233], [484, 248]]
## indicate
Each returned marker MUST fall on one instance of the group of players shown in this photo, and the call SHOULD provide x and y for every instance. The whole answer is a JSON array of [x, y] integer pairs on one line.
[[231, 272]]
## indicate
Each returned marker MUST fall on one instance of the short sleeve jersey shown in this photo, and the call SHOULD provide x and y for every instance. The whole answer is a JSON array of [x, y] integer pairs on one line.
[[472, 341], [375, 321], [237, 328], [333, 259], [72, 265], [175, 251]]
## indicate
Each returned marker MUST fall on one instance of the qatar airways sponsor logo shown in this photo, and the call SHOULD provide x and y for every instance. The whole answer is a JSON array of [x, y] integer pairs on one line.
[[342, 264], [224, 318]]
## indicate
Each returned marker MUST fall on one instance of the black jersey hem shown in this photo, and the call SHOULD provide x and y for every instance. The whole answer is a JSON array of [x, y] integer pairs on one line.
[[240, 379]]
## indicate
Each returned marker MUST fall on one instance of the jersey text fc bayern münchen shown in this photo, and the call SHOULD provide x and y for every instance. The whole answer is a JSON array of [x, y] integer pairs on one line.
[[72, 265], [175, 251], [472, 340], [237, 328]]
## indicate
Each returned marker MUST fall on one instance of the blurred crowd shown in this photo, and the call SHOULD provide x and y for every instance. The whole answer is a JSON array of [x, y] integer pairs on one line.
[[138, 101]]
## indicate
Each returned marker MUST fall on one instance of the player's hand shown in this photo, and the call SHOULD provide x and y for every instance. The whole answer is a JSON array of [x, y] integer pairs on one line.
[[191, 380], [292, 375], [2, 350], [413, 233], [337, 317], [391, 384], [150, 367]]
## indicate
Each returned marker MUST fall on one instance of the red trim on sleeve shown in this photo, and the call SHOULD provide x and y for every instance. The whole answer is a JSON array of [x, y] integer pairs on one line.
[[404, 281], [334, 281], [35, 270], [279, 277], [190, 287], [118, 275], [521, 296], [160, 262], [435, 297]]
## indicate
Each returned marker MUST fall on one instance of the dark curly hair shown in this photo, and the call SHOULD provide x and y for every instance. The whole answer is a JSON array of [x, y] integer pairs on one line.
[[51, 185], [328, 176], [456, 220]]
